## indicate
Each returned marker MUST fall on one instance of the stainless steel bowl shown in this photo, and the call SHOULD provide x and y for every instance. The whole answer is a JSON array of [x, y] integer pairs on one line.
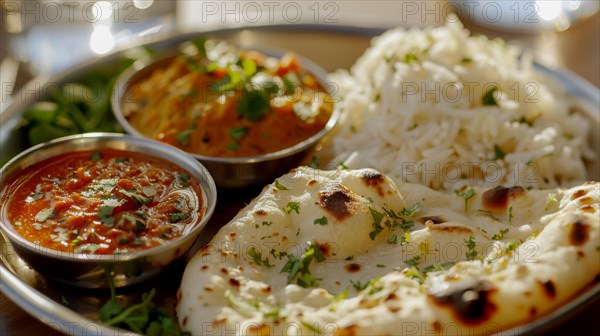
[[88, 270], [233, 172]]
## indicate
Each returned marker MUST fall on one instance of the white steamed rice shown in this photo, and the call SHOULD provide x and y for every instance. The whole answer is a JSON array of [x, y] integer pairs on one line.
[[412, 107]]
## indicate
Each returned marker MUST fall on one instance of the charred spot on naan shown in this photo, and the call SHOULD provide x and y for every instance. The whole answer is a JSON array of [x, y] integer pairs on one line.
[[548, 288], [578, 193], [433, 219], [579, 234], [353, 268], [373, 179], [450, 228], [340, 202], [496, 199], [470, 302]]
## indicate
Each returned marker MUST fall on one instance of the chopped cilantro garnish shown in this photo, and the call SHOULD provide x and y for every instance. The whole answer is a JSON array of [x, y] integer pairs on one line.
[[358, 286], [380, 266], [32, 198], [466, 195], [488, 98], [200, 44], [377, 228], [248, 67], [237, 133], [183, 177], [498, 153], [184, 137], [266, 223], [471, 254], [133, 195], [413, 262], [255, 103], [177, 216], [96, 156], [393, 239], [280, 186], [292, 206], [409, 58], [105, 213], [233, 146], [349, 258], [314, 162], [300, 266], [257, 257], [321, 221], [500, 234]]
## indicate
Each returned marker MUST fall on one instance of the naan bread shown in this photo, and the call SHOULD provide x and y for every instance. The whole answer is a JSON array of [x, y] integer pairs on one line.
[[348, 252]]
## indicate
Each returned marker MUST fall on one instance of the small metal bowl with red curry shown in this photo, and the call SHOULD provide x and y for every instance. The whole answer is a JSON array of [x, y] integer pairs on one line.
[[249, 115], [82, 208]]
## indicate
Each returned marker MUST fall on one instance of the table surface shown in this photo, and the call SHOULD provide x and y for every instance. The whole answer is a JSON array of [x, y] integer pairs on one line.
[[576, 49]]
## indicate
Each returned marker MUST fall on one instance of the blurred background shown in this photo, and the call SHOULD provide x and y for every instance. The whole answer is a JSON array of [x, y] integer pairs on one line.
[[47, 36]]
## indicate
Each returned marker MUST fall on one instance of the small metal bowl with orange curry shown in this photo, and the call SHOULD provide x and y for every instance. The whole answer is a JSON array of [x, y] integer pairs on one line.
[[248, 116], [79, 208]]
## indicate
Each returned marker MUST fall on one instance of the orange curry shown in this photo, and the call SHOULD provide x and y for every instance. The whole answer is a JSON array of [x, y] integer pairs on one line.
[[103, 202], [225, 102]]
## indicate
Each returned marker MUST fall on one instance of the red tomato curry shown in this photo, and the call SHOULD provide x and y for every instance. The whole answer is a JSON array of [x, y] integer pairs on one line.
[[103, 202]]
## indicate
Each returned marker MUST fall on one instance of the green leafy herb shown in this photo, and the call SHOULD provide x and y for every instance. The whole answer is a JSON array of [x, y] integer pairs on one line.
[[349, 258], [177, 216], [321, 221], [257, 257], [466, 60], [300, 267], [510, 215], [471, 254], [200, 44], [498, 153], [64, 300], [291, 82], [255, 103], [511, 246], [314, 162], [414, 126], [267, 223], [488, 98], [248, 67], [466, 195], [142, 318], [44, 214], [233, 146], [523, 120], [183, 177], [135, 196], [96, 156], [184, 137], [500, 234], [377, 218], [105, 213], [393, 239], [409, 58], [380, 266], [32, 198], [343, 165], [237, 133], [292, 206], [280, 186], [358, 286], [413, 262]]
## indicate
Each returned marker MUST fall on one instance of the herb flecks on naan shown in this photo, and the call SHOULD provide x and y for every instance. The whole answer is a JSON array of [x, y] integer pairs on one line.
[[348, 252]]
